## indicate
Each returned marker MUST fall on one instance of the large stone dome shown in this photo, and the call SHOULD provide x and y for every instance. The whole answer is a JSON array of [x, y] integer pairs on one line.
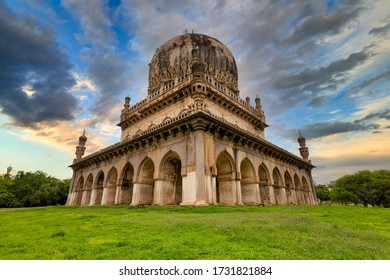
[[172, 60]]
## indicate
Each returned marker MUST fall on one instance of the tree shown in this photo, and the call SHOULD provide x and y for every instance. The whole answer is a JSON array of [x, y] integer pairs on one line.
[[7, 197], [366, 187], [28, 189], [323, 193]]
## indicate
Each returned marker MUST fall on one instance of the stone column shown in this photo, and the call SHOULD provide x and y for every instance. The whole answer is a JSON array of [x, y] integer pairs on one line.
[[238, 192], [158, 194], [258, 196], [93, 195], [136, 195], [199, 127], [272, 195]]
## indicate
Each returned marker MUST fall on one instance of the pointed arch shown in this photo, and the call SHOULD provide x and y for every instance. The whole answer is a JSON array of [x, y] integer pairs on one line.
[[264, 174], [126, 184], [79, 190], [86, 200], [146, 181], [265, 182], [298, 189], [289, 185], [277, 185], [277, 178], [109, 191], [172, 182], [249, 191], [225, 184], [97, 199]]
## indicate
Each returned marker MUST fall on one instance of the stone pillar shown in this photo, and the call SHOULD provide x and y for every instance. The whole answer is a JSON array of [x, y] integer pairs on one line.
[[109, 195], [158, 194], [93, 195], [199, 127], [272, 195], [118, 195], [136, 194], [258, 196], [238, 192], [69, 198], [214, 189], [283, 195]]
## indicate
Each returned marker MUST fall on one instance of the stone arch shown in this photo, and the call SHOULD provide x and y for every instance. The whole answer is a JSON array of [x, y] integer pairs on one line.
[[172, 182], [249, 187], [87, 190], [109, 191], [97, 192], [298, 190], [126, 184], [166, 119], [278, 186], [225, 183], [146, 181], [264, 184], [289, 186], [306, 190], [79, 190]]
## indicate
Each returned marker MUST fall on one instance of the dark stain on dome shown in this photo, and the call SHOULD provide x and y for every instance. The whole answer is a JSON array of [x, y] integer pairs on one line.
[[178, 50]]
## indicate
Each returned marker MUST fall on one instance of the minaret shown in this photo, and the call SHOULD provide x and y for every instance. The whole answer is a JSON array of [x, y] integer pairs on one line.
[[303, 149], [9, 169], [80, 149], [127, 103]]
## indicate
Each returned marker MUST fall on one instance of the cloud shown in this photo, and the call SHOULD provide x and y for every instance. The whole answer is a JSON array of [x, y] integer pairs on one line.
[[35, 76], [320, 24], [318, 130], [106, 68], [369, 82], [382, 30]]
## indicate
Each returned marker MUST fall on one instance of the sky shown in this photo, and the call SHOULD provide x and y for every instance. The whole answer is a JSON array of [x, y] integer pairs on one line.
[[321, 67]]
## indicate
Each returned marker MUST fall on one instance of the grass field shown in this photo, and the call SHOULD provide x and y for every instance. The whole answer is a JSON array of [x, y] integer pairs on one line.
[[214, 232]]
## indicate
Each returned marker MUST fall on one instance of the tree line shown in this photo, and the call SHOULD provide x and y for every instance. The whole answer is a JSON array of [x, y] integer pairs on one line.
[[364, 187], [30, 189]]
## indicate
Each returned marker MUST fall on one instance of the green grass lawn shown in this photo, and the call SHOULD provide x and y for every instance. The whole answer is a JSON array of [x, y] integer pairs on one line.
[[247, 232]]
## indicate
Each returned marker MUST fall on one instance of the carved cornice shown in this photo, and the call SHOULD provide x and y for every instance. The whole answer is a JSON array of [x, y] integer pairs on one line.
[[185, 123], [229, 101]]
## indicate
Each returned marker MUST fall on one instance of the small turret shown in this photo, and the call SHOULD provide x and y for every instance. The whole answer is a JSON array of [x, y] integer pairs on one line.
[[303, 149], [80, 149], [127, 103]]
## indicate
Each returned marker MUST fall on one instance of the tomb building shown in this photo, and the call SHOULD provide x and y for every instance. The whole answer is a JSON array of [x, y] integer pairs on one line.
[[192, 141]]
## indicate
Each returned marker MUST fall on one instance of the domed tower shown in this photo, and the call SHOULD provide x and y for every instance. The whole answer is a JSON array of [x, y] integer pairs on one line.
[[186, 54], [199, 71]]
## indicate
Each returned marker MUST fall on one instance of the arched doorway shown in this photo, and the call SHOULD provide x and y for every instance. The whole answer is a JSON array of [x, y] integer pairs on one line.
[[298, 190], [225, 183], [99, 188], [172, 182], [249, 190], [79, 191], [88, 189], [146, 182], [289, 186], [278, 185], [126, 186], [264, 184], [110, 187]]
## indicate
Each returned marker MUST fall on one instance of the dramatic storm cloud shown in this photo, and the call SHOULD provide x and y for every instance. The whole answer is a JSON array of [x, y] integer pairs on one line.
[[35, 75]]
